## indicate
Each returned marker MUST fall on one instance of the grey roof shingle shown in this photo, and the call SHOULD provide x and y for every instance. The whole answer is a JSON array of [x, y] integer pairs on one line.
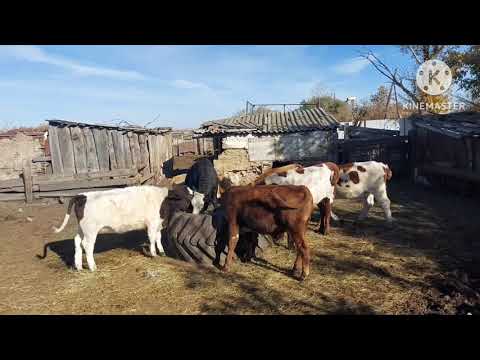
[[272, 123]]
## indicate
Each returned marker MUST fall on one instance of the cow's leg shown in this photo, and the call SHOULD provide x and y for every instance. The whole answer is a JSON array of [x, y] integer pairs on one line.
[[325, 209], [368, 201], [290, 242], [89, 244], [384, 202], [298, 265], [303, 256], [78, 251], [158, 238], [232, 242], [152, 231]]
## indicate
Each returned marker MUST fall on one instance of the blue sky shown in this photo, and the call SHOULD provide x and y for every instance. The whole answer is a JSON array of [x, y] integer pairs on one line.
[[181, 86]]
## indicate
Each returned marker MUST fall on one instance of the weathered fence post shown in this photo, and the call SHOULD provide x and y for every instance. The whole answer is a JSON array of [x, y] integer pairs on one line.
[[27, 180], [412, 153]]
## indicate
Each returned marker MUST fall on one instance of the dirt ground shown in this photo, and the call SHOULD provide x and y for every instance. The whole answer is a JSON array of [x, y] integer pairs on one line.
[[427, 263]]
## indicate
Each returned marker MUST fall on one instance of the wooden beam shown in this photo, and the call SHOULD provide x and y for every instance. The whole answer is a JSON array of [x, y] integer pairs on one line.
[[11, 183], [457, 173], [77, 184], [67, 193], [9, 197], [79, 150], [27, 180], [66, 150], [18, 189], [102, 148], [89, 176], [92, 160], [57, 165]]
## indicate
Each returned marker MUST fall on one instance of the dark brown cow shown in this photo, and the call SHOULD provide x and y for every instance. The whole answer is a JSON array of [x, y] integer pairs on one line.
[[272, 210]]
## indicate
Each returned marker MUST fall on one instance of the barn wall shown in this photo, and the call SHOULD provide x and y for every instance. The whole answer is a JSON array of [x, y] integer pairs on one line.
[[16, 149], [244, 158], [316, 145]]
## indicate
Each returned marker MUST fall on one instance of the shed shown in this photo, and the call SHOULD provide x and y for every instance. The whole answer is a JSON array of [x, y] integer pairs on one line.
[[80, 148], [447, 147], [245, 144], [85, 157]]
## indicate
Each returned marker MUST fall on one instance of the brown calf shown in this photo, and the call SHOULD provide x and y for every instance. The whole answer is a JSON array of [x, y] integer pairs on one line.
[[270, 209]]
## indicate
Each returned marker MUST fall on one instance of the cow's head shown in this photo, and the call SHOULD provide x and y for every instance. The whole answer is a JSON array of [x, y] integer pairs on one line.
[[197, 201]]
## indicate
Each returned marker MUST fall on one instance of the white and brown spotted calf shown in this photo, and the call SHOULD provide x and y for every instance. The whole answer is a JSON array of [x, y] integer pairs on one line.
[[366, 181]]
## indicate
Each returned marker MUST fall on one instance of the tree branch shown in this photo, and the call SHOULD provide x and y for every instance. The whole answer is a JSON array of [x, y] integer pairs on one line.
[[414, 55]]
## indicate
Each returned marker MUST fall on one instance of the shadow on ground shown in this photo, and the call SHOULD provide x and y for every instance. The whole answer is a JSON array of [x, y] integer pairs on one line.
[[65, 249], [441, 227]]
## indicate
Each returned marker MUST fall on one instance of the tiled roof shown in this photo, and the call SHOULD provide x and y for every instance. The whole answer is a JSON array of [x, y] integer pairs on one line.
[[272, 122], [158, 130]]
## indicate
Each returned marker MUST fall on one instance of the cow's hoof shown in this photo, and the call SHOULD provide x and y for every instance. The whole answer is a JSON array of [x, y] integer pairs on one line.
[[297, 274], [225, 269], [302, 277]]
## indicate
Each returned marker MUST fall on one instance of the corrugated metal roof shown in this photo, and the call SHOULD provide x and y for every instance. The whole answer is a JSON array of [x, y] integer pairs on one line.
[[272, 122], [457, 125], [158, 130]]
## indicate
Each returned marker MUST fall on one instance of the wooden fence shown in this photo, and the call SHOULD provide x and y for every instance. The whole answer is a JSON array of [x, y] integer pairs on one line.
[[184, 144], [88, 157], [393, 151]]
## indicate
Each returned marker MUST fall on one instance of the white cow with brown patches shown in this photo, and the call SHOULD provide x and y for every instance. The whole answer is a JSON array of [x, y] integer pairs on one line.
[[366, 181]]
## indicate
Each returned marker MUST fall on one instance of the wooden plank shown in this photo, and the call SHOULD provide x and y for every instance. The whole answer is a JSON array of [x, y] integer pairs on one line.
[[136, 150], [91, 151], [48, 169], [8, 197], [111, 151], [133, 150], [18, 189], [11, 183], [76, 184], [102, 148], [79, 150], [118, 146], [129, 159], [153, 168], [27, 180], [57, 165], [154, 151], [66, 150], [73, 192], [88, 176], [142, 140]]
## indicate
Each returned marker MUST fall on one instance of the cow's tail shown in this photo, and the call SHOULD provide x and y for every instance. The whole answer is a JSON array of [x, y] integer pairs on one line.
[[67, 215]]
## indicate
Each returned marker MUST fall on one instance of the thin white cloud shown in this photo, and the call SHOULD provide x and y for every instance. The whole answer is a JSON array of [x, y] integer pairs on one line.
[[36, 54], [351, 66], [186, 84]]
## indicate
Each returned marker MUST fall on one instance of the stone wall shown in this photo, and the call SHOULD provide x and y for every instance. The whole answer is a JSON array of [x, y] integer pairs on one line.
[[234, 164], [14, 150]]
